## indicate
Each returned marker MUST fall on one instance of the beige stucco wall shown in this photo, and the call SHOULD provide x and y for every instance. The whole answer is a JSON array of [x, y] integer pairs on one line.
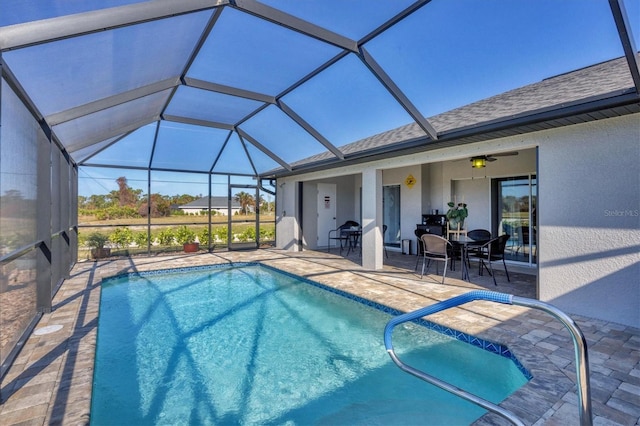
[[589, 202]]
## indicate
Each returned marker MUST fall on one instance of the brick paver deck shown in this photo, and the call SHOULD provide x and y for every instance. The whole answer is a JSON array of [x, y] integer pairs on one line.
[[50, 381]]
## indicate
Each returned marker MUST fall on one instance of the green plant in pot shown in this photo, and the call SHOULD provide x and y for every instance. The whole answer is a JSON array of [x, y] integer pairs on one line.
[[96, 242], [187, 237], [456, 214]]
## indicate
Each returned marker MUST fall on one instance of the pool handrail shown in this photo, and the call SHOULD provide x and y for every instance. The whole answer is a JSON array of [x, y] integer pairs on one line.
[[579, 341]]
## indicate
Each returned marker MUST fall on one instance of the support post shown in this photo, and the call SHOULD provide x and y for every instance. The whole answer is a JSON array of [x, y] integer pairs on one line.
[[372, 244]]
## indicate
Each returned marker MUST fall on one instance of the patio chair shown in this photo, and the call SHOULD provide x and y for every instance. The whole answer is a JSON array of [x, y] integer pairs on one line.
[[477, 235], [435, 249], [419, 246], [490, 252], [524, 239], [384, 232], [340, 234], [509, 229]]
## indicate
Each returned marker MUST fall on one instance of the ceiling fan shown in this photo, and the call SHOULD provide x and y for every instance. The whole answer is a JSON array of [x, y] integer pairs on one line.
[[480, 161]]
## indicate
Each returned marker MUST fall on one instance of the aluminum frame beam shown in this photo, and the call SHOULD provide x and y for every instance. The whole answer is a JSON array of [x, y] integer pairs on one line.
[[264, 149], [112, 133], [46, 30], [98, 150], [224, 145], [228, 90], [111, 101], [395, 91], [246, 151], [198, 122], [310, 129], [624, 31], [296, 24], [396, 19]]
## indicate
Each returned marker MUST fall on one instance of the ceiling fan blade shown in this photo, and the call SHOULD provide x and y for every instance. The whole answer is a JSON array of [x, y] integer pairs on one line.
[[504, 154], [490, 158]]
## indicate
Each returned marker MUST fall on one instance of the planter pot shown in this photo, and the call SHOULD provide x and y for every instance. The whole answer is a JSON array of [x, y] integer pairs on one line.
[[453, 224], [191, 247], [100, 253]]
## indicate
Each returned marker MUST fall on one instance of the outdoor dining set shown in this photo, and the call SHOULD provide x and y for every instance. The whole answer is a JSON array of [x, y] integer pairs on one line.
[[478, 244], [439, 244]]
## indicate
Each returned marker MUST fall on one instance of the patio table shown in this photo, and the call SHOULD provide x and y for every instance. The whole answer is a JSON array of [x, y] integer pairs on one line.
[[353, 236], [463, 243]]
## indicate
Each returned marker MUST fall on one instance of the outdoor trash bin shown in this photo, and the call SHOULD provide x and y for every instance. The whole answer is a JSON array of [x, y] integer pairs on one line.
[[406, 246]]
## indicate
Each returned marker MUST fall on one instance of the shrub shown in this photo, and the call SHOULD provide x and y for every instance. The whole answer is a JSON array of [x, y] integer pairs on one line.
[[82, 239], [266, 234], [203, 236], [221, 232], [121, 237], [248, 235], [97, 240], [141, 238], [185, 235], [166, 236]]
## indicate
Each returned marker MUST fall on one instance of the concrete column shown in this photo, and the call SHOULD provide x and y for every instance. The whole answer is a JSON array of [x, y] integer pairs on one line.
[[372, 249]]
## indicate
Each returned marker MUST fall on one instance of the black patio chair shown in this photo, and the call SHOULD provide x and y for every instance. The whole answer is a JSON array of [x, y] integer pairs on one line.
[[384, 246], [524, 239], [340, 234], [490, 252], [482, 235]]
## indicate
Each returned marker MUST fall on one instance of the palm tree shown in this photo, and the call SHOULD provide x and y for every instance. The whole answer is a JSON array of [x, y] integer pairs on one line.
[[245, 199]]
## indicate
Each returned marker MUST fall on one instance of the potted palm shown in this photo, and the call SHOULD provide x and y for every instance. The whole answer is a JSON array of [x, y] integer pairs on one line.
[[187, 237], [96, 242]]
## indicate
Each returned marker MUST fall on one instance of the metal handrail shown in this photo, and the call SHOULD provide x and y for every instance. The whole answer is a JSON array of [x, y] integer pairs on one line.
[[580, 346]]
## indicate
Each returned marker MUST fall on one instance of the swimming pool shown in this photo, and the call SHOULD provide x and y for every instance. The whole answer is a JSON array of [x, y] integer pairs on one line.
[[252, 345]]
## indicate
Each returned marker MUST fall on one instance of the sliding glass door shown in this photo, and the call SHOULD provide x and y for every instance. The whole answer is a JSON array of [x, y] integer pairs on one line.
[[516, 199], [391, 215]]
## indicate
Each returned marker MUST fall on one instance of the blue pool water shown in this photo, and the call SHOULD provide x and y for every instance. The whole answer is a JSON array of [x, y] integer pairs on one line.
[[250, 345]]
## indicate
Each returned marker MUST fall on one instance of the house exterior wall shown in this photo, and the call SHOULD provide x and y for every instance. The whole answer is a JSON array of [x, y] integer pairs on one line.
[[588, 202], [348, 199], [589, 239]]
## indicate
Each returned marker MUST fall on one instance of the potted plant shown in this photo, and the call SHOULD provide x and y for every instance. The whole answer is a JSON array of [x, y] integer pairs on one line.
[[187, 237], [456, 215], [96, 242]]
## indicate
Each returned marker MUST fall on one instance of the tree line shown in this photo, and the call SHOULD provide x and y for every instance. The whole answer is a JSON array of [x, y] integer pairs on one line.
[[126, 202]]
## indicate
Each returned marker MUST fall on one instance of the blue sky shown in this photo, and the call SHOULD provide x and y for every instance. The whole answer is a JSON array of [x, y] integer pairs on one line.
[[448, 54]]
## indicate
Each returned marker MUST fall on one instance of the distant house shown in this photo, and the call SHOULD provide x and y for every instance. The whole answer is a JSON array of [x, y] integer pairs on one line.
[[220, 205]]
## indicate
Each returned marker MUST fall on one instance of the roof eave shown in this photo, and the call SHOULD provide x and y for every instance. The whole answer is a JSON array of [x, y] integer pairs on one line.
[[610, 105]]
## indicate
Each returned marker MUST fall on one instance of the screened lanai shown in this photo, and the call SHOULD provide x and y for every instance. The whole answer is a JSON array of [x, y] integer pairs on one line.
[[116, 115]]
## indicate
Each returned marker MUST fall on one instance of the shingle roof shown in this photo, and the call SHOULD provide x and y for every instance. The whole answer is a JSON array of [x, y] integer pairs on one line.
[[611, 77]]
